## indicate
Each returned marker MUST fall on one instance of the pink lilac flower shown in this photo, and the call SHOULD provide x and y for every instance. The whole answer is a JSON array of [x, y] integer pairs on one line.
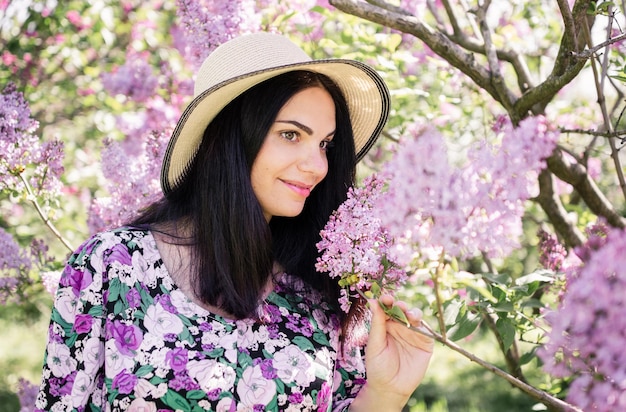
[[208, 23], [355, 246], [134, 79], [132, 173], [552, 254], [588, 332], [462, 210], [27, 394], [15, 264], [21, 149]]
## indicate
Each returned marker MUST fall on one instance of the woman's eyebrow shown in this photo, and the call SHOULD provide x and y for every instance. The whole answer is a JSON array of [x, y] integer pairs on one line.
[[299, 125]]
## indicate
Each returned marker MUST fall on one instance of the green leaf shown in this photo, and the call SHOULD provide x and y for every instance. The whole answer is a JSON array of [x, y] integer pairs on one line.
[[528, 356], [176, 401], [396, 313], [144, 370], [451, 312], [375, 289], [538, 276], [465, 327], [507, 332], [195, 394], [303, 343]]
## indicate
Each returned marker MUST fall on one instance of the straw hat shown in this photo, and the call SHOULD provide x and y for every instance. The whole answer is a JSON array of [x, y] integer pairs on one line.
[[246, 61]]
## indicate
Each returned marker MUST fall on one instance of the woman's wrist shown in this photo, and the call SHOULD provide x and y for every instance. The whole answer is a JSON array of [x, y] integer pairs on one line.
[[370, 399]]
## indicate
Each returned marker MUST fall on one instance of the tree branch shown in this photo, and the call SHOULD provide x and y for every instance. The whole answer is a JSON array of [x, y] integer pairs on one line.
[[436, 41], [551, 204], [576, 175]]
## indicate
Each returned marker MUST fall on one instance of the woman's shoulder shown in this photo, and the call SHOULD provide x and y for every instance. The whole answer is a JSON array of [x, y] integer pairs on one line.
[[113, 240]]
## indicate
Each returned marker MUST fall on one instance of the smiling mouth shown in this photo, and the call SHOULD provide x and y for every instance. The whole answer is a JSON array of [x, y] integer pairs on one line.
[[302, 190]]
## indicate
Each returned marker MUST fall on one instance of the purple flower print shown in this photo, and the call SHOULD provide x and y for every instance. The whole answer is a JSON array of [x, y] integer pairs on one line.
[[177, 358], [77, 279], [205, 327], [82, 323], [267, 368], [124, 382], [214, 394], [323, 397], [118, 253], [133, 298], [166, 302], [62, 386], [127, 337], [296, 397]]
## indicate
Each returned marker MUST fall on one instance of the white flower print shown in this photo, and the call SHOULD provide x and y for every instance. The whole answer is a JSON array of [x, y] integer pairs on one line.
[[254, 388], [60, 360], [82, 388], [114, 361], [140, 405], [67, 304], [224, 405], [93, 355], [293, 365], [159, 322], [211, 374]]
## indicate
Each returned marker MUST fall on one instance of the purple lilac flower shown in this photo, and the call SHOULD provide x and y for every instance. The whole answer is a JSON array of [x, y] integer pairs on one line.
[[552, 254], [462, 210], [355, 245], [20, 148], [132, 172], [134, 79], [15, 264], [589, 329], [208, 23], [27, 394]]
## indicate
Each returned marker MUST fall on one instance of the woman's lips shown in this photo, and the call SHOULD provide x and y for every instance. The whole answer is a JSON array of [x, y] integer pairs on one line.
[[300, 188]]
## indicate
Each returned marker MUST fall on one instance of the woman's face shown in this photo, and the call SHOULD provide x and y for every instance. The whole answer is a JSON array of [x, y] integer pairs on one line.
[[292, 159]]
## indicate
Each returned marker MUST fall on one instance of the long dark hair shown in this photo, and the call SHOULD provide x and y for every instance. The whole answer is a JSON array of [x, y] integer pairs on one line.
[[233, 249]]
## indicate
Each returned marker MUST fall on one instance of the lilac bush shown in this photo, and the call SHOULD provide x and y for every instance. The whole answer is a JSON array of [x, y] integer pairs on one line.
[[586, 342]]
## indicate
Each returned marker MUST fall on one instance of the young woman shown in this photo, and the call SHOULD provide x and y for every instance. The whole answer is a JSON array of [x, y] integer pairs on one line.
[[209, 300]]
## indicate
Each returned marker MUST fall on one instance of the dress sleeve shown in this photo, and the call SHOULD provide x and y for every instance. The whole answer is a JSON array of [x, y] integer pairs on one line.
[[349, 377], [74, 357]]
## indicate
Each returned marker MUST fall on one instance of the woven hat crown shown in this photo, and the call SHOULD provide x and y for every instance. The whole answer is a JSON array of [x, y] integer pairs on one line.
[[246, 61]]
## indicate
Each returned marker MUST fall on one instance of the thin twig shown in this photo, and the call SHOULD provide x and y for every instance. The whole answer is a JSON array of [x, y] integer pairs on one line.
[[32, 198], [602, 102], [530, 390]]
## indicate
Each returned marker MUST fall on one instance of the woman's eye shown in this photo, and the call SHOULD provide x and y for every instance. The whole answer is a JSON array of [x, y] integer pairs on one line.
[[326, 144], [291, 136]]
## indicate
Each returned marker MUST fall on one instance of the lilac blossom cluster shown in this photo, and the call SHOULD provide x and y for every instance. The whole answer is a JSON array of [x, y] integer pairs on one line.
[[135, 79], [15, 263], [462, 210], [552, 254], [586, 342], [22, 149], [356, 247], [208, 23], [131, 170]]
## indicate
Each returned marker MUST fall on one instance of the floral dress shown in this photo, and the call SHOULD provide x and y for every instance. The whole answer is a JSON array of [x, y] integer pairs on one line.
[[124, 337]]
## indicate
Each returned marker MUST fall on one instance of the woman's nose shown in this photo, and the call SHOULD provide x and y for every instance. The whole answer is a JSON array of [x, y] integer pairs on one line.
[[314, 160]]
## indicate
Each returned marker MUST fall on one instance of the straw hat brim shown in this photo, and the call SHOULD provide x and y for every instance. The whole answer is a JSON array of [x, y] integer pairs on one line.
[[364, 90]]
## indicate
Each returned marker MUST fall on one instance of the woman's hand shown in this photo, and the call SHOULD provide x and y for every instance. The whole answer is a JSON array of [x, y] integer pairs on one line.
[[396, 359]]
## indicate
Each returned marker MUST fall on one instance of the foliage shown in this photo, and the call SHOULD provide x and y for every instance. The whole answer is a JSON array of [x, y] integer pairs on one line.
[[91, 91]]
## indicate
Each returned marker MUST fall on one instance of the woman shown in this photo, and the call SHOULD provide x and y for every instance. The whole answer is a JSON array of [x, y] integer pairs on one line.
[[209, 300]]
